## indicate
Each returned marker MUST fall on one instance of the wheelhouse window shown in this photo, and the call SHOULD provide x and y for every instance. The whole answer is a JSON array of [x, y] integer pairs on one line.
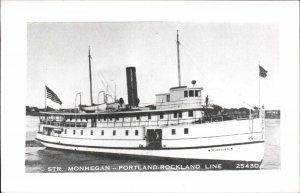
[[191, 93], [149, 116], [161, 115], [168, 98], [137, 117], [81, 132], [191, 113], [180, 114], [86, 118], [126, 132], [98, 118], [175, 114], [186, 130], [173, 131], [110, 118], [74, 131], [117, 118], [185, 93], [114, 132], [136, 132], [197, 93], [104, 118], [102, 132]]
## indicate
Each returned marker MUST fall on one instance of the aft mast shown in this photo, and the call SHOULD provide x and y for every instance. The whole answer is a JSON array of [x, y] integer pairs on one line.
[[91, 92], [178, 59]]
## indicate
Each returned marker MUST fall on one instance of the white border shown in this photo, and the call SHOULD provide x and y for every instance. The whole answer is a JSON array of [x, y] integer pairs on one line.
[[15, 16]]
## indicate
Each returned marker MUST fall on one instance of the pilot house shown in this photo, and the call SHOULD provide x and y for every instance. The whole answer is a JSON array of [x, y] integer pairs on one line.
[[180, 97]]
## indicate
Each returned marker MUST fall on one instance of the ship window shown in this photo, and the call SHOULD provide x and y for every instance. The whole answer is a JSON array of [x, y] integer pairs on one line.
[[197, 93], [191, 93], [81, 132], [149, 116], [117, 118], [65, 131], [114, 132], [185, 93], [126, 132], [180, 114], [161, 115], [136, 132], [138, 117], [86, 118], [74, 132], [168, 98], [191, 113], [186, 130], [102, 132], [71, 118], [173, 131], [80, 118], [92, 132], [110, 118], [175, 114], [98, 118]]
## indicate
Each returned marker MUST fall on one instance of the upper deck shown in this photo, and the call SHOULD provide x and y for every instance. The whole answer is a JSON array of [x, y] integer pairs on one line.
[[125, 118]]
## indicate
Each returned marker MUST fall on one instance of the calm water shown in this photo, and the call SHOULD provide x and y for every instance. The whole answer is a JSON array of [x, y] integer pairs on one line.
[[38, 159]]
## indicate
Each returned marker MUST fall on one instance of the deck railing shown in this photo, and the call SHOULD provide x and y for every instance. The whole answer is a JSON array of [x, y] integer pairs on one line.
[[133, 122]]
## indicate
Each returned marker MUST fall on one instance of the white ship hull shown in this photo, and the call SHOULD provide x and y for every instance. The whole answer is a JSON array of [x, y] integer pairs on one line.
[[228, 140], [249, 152]]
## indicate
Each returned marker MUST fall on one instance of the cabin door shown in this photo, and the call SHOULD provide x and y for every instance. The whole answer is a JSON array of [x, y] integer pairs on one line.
[[154, 137]]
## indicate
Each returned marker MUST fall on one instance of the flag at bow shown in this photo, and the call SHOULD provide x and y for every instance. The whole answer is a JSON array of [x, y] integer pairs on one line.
[[51, 95], [262, 72]]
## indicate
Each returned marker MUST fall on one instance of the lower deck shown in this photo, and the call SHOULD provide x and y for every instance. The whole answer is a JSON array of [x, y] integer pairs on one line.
[[159, 137]]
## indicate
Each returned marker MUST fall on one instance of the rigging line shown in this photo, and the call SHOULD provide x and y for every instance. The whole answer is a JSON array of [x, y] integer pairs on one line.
[[107, 84], [102, 76], [108, 87], [98, 82], [103, 83]]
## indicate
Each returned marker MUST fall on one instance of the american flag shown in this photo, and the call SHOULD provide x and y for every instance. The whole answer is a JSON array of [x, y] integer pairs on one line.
[[51, 95]]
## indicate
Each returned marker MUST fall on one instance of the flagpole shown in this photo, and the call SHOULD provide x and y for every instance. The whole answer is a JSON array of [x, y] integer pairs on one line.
[[258, 89], [45, 99]]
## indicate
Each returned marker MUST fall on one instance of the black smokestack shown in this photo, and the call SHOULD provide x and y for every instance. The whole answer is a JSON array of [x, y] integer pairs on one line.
[[132, 87]]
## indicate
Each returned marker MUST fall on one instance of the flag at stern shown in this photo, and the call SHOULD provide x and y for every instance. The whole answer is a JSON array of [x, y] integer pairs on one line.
[[262, 72]]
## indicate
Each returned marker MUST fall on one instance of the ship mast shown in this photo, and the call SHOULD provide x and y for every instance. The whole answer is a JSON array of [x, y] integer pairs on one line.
[[178, 59], [90, 77]]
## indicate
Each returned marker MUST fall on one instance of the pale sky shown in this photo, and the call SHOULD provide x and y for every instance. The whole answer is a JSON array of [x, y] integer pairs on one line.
[[222, 57]]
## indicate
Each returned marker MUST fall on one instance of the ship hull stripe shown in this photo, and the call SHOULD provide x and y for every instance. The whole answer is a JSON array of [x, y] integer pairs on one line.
[[174, 148]]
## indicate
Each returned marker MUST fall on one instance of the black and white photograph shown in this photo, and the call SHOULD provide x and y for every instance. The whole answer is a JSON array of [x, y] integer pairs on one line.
[[153, 96]]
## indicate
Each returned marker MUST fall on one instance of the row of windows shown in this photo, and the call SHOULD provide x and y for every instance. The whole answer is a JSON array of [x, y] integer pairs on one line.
[[161, 116], [102, 132], [192, 93], [186, 131]]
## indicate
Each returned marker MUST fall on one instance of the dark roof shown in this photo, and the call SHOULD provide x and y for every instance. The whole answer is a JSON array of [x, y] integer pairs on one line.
[[178, 87]]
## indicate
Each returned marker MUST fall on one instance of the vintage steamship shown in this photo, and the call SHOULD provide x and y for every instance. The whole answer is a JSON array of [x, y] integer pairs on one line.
[[179, 125]]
